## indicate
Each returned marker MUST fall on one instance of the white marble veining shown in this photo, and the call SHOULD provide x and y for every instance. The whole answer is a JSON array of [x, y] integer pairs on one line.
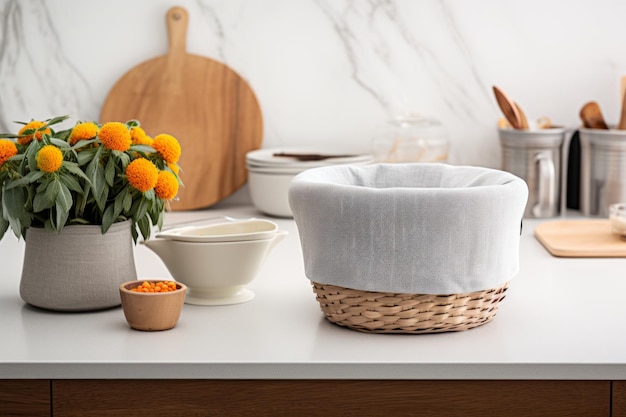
[[331, 71]]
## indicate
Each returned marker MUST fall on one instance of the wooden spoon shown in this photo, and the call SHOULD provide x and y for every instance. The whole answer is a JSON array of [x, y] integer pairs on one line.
[[523, 119], [622, 120], [508, 107], [591, 116]]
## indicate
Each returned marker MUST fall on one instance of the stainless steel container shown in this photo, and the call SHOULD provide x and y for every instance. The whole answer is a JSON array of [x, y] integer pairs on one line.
[[602, 170], [536, 156]]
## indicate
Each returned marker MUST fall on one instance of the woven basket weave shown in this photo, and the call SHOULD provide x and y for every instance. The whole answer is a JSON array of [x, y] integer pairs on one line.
[[378, 312]]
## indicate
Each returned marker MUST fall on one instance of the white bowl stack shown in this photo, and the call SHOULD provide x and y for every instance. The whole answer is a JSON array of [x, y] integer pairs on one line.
[[269, 175]]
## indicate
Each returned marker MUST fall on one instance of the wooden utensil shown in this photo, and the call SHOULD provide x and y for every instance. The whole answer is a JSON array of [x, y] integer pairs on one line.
[[206, 105], [622, 119], [522, 115], [508, 107], [310, 156], [591, 116]]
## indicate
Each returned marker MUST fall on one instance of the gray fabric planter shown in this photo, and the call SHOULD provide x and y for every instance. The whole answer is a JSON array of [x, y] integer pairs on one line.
[[78, 269], [409, 228]]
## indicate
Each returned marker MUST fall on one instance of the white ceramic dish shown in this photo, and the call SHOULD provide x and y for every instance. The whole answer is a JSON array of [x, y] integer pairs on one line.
[[269, 176], [269, 192], [274, 170], [266, 158], [252, 229], [215, 273]]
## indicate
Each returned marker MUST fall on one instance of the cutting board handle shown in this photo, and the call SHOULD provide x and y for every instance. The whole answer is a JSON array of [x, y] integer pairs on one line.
[[177, 20]]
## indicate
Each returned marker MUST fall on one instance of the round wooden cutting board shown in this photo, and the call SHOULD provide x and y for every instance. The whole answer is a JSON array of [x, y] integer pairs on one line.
[[207, 106]]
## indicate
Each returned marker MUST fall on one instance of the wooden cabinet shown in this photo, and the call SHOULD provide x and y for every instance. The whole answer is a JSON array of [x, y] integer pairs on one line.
[[67, 398], [618, 399], [24, 397]]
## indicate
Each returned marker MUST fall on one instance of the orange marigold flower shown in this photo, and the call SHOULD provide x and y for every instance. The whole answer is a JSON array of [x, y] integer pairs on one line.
[[174, 167], [35, 124], [83, 131], [7, 150], [115, 136], [168, 147], [49, 158], [142, 174], [167, 185], [138, 136]]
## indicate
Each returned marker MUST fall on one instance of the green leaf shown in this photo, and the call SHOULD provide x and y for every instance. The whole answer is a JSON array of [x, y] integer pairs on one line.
[[95, 172], [144, 227], [63, 135], [60, 143], [160, 220], [128, 200], [25, 180], [144, 149], [53, 190], [124, 159], [150, 195], [101, 200], [108, 218], [71, 182], [31, 154], [12, 206], [156, 210], [62, 216], [119, 201], [45, 200], [64, 198], [4, 225], [85, 156], [49, 225], [109, 172], [43, 184], [56, 120], [142, 209], [132, 123], [75, 169], [81, 201], [134, 232]]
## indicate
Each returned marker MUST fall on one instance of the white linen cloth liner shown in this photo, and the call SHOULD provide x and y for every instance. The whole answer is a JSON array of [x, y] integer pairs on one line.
[[424, 228]]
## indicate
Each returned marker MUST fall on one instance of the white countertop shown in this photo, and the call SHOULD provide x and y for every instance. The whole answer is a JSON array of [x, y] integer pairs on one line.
[[561, 319]]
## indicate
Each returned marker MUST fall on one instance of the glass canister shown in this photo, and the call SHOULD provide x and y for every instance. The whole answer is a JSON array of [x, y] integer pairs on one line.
[[411, 138]]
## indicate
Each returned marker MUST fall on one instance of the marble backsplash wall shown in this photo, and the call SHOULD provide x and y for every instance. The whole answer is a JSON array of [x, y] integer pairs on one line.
[[331, 72]]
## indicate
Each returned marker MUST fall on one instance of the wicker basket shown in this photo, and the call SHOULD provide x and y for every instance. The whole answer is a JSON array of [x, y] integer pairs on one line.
[[409, 248], [380, 312]]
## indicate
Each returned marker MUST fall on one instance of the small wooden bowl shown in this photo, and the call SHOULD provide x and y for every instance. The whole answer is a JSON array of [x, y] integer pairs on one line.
[[152, 311]]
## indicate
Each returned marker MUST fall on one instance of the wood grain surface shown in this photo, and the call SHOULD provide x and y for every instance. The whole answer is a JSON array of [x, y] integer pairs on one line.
[[325, 398], [586, 238], [618, 395], [29, 398], [207, 106]]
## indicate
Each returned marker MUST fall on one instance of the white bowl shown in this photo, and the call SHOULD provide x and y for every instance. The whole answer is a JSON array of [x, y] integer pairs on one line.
[[269, 176], [269, 192]]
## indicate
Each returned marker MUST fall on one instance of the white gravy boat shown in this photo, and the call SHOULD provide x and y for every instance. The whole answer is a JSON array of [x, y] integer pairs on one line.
[[227, 231], [215, 273]]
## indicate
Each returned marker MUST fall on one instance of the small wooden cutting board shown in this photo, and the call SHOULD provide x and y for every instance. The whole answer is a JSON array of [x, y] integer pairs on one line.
[[587, 238]]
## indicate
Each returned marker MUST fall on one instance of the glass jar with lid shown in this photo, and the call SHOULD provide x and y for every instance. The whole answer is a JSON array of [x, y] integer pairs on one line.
[[411, 138]]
